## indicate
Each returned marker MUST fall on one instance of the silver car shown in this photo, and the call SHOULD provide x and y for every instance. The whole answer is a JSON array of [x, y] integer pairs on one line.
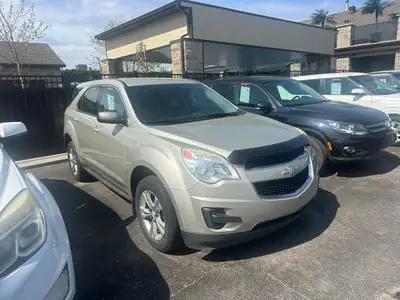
[[198, 170]]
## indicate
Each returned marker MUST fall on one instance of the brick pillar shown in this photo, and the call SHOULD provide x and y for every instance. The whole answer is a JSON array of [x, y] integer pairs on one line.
[[344, 39], [343, 64], [295, 69], [397, 55], [192, 57], [111, 66], [344, 35]]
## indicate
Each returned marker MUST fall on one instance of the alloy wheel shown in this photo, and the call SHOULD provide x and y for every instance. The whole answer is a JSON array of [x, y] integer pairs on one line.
[[396, 127], [73, 163], [152, 215]]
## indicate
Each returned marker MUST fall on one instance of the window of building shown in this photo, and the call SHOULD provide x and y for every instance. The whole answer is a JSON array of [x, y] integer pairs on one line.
[[111, 101], [88, 103]]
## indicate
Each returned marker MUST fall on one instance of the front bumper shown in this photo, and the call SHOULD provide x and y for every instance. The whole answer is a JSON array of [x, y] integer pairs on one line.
[[366, 146], [200, 241], [238, 199], [49, 273]]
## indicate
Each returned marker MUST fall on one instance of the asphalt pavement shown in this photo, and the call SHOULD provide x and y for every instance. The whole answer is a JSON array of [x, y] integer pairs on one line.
[[345, 246]]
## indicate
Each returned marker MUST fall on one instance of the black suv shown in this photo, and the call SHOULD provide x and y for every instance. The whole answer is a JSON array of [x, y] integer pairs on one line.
[[338, 131]]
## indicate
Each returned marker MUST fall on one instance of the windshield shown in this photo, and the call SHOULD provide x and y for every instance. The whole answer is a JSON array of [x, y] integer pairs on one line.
[[373, 85], [292, 93], [164, 104], [389, 80]]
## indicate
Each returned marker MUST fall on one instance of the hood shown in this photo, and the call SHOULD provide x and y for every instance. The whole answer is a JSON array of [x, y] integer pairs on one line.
[[225, 135], [391, 97], [340, 111], [10, 184]]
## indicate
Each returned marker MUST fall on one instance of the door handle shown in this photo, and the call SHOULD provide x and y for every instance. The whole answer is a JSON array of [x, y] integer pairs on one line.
[[75, 118], [96, 128]]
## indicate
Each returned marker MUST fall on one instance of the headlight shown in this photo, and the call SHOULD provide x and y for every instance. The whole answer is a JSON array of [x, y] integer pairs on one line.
[[349, 128], [208, 167], [22, 231], [313, 158]]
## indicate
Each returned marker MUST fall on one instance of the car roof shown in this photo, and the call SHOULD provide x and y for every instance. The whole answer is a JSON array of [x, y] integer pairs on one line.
[[249, 79], [137, 81], [329, 75], [384, 72]]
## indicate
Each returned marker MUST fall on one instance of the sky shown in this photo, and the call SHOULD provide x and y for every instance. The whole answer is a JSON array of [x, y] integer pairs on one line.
[[73, 22]]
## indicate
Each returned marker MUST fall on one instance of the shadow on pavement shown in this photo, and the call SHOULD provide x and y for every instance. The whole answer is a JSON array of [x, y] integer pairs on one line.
[[108, 265], [383, 163], [313, 222]]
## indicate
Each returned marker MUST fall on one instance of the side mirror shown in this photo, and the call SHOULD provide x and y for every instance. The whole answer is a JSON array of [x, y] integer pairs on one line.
[[12, 129], [264, 107], [358, 92], [111, 117]]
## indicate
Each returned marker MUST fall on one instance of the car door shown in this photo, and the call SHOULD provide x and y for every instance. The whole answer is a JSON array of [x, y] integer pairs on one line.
[[249, 95], [109, 148], [84, 120], [341, 88]]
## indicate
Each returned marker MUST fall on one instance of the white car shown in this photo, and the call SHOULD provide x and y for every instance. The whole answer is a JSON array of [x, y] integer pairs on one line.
[[358, 88], [35, 254]]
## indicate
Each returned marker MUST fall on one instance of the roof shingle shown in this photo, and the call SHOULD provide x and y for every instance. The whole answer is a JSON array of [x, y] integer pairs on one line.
[[358, 19], [37, 54]]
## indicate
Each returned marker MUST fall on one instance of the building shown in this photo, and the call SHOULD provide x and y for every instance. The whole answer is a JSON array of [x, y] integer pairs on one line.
[[39, 60], [364, 46], [200, 38], [81, 67]]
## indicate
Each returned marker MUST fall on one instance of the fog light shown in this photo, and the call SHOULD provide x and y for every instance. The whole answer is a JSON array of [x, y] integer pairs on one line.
[[61, 288], [216, 218], [349, 150]]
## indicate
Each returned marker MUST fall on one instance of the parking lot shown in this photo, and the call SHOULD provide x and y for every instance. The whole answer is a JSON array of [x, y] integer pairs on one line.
[[345, 246]]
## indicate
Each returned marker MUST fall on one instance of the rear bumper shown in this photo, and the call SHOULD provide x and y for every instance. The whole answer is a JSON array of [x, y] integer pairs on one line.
[[366, 146], [202, 241]]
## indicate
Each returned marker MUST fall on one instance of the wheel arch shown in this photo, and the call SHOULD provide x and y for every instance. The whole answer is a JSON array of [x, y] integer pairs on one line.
[[142, 170]]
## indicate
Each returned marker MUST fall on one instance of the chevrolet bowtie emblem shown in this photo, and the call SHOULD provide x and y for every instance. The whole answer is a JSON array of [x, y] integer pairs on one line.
[[287, 171]]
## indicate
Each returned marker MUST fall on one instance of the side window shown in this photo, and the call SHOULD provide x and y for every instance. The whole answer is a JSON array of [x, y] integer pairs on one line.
[[88, 103], [339, 86], [111, 101], [250, 94], [225, 89], [315, 84]]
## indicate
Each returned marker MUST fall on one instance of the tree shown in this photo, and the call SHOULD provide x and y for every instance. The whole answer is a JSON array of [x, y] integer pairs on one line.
[[100, 46], [374, 7], [18, 28], [321, 17]]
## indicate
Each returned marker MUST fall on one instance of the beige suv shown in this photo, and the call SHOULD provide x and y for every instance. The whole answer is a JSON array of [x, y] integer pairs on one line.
[[198, 170]]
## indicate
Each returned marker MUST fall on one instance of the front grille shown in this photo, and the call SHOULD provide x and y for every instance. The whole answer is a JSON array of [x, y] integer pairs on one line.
[[275, 159], [282, 186], [376, 128]]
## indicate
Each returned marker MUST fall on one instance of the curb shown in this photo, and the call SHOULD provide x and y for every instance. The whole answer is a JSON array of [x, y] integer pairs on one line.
[[42, 161]]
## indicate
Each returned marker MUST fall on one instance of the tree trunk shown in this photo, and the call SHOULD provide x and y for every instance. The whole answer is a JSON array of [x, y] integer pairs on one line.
[[19, 71]]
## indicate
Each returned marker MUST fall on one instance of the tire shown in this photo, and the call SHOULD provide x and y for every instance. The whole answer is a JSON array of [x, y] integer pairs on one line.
[[321, 152], [169, 241], [75, 166]]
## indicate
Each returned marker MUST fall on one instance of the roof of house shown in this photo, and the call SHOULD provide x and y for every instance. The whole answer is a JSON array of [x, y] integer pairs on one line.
[[37, 54], [358, 19]]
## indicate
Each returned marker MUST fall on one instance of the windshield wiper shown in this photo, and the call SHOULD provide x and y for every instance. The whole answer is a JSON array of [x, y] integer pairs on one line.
[[188, 119]]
